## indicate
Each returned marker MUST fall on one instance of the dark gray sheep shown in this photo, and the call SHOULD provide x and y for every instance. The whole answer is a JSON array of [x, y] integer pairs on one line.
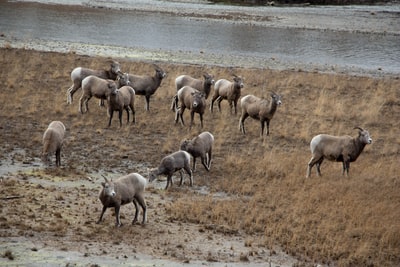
[[259, 109], [231, 91], [192, 99], [170, 164], [79, 73], [201, 85], [119, 100], [147, 85], [53, 139], [200, 146], [124, 190], [344, 149]]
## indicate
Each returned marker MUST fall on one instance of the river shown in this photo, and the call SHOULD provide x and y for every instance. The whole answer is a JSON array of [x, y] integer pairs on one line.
[[268, 37]]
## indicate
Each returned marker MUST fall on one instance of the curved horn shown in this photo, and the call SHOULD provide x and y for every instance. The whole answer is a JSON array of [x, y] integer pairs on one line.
[[359, 128], [105, 178]]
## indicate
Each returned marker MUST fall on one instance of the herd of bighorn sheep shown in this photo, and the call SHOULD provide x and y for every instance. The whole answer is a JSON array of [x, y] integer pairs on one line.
[[119, 90]]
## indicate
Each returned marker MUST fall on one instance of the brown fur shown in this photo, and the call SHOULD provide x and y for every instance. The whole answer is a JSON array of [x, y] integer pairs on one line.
[[201, 85], [79, 73], [258, 109], [147, 85], [231, 91], [191, 99], [126, 189], [200, 146], [53, 139], [118, 100]]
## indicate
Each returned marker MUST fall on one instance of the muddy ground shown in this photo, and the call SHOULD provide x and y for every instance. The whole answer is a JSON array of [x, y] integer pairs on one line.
[[48, 214]]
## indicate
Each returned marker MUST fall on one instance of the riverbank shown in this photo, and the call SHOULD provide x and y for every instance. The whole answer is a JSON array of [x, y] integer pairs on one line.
[[371, 20]]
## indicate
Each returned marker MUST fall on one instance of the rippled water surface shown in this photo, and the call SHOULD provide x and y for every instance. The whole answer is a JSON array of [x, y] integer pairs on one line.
[[370, 51]]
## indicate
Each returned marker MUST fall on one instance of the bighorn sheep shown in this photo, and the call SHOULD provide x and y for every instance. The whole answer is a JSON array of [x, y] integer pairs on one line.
[[79, 73], [170, 164], [100, 88], [258, 109], [192, 99], [124, 190], [120, 99], [344, 149], [231, 91], [147, 85], [53, 139], [200, 146], [201, 85]]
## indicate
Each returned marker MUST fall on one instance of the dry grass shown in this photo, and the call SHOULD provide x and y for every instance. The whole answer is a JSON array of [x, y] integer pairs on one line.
[[332, 219]]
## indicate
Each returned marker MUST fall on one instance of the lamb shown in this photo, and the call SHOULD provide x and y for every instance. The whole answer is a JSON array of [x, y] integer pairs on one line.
[[344, 149], [170, 164], [231, 91], [100, 88], [53, 139], [147, 85], [120, 99], [200, 146], [79, 73], [124, 190], [201, 85], [259, 109], [192, 99]]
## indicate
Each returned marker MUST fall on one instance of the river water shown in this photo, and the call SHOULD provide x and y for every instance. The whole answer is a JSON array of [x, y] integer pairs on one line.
[[269, 44]]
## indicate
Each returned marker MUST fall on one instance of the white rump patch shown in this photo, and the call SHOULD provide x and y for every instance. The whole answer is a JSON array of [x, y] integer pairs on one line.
[[314, 142]]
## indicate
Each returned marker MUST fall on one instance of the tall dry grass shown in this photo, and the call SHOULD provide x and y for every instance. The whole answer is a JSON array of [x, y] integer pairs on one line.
[[331, 219]]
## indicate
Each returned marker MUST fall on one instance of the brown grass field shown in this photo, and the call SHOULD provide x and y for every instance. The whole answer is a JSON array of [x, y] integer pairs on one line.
[[256, 187]]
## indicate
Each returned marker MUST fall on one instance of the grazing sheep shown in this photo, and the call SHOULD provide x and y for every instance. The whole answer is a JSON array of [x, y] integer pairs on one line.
[[192, 99], [344, 149], [124, 190], [200, 146], [170, 164], [147, 85], [120, 99], [79, 73], [53, 139], [202, 86], [100, 88], [259, 109], [231, 91]]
